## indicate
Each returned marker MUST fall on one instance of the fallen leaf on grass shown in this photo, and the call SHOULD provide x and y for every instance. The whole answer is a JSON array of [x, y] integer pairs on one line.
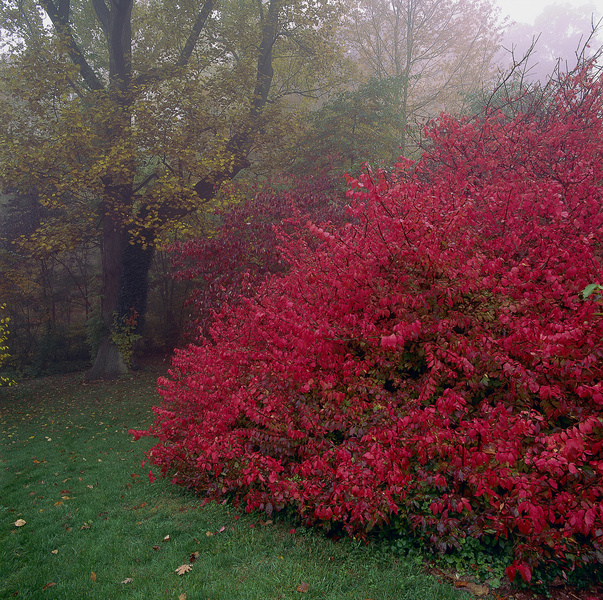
[[166, 538], [208, 533], [54, 552], [48, 585], [474, 588], [182, 597], [128, 580], [194, 557], [93, 576], [303, 587], [182, 569], [20, 522]]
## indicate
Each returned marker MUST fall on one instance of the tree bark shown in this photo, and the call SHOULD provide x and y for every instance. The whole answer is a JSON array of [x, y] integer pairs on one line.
[[108, 362]]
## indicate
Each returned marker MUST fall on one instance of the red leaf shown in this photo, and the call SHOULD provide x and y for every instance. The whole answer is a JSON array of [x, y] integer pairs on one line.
[[525, 571]]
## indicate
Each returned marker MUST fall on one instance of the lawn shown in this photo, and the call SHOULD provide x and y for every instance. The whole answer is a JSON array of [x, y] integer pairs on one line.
[[79, 517]]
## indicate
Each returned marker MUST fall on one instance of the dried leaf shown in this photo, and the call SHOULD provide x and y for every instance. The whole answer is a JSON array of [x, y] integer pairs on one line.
[[474, 588], [48, 585], [166, 538], [208, 533], [182, 597], [54, 552], [194, 556], [478, 590], [303, 587], [93, 576], [182, 569], [156, 547], [128, 580], [20, 522]]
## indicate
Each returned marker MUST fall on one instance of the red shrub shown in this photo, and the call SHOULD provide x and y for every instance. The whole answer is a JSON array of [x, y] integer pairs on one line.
[[232, 263], [433, 359]]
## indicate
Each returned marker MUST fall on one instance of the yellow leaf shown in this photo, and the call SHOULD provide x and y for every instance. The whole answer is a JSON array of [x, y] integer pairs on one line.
[[93, 576]]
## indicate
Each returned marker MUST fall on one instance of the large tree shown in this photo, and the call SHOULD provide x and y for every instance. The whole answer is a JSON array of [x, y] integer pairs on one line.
[[122, 121]]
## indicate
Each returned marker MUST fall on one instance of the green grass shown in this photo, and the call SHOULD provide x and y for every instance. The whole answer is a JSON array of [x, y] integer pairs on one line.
[[94, 521]]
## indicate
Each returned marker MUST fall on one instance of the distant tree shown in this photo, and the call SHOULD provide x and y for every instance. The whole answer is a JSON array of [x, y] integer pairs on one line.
[[351, 128], [49, 286], [428, 51]]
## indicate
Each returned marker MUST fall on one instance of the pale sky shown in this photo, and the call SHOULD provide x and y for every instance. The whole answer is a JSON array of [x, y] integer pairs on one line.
[[561, 26], [525, 11]]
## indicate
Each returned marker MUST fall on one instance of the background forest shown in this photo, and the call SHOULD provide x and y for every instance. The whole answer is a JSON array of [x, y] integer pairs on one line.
[[136, 134]]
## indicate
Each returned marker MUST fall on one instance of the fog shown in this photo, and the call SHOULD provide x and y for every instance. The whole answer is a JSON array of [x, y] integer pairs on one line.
[[559, 30]]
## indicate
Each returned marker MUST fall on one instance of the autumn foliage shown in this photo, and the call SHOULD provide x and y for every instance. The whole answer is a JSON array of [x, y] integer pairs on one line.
[[243, 249], [3, 347], [431, 365]]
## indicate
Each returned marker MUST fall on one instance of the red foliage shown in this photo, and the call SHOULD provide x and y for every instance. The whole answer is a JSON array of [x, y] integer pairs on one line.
[[243, 252], [432, 362]]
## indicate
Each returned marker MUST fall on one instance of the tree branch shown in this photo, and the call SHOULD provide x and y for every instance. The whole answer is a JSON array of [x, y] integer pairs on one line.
[[171, 70], [60, 20], [195, 33], [103, 14]]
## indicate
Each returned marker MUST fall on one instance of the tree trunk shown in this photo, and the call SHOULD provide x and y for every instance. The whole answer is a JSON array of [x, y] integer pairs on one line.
[[134, 284], [109, 363]]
